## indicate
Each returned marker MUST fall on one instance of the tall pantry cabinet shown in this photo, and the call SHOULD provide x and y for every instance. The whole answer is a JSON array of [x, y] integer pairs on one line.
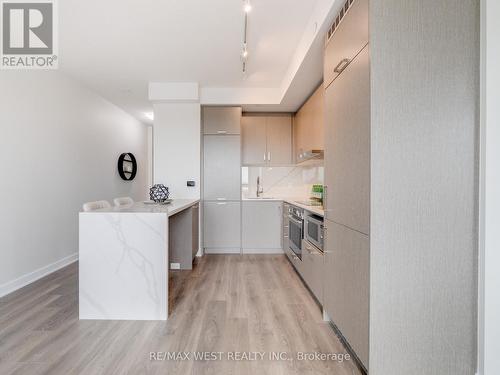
[[347, 176], [221, 179], [402, 83]]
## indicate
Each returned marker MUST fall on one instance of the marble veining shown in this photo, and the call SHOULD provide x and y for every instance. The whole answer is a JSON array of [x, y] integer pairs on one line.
[[123, 261], [136, 257]]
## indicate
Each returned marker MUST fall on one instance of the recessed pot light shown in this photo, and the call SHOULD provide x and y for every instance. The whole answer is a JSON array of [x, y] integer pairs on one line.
[[247, 7]]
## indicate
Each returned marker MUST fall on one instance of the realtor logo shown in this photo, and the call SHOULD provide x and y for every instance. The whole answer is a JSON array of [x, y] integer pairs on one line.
[[29, 39]]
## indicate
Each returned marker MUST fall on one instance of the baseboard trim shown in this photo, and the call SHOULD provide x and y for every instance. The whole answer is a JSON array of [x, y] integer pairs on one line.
[[349, 349], [13, 285], [263, 251], [222, 250]]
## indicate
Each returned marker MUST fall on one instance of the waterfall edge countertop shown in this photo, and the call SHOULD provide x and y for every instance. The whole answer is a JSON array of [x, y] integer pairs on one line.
[[124, 259], [172, 208]]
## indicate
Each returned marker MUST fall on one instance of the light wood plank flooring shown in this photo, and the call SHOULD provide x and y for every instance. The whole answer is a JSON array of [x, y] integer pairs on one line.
[[227, 303]]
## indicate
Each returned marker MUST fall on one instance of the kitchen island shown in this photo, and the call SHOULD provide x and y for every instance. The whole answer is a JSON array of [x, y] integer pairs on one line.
[[124, 260]]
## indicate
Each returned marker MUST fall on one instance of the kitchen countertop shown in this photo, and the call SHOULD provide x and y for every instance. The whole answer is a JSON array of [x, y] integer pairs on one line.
[[176, 206], [123, 256], [317, 210]]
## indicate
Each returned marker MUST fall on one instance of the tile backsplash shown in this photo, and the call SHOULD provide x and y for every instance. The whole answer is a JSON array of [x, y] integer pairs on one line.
[[282, 182]]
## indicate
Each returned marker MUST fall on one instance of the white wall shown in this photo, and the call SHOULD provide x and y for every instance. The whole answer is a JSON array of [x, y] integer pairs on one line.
[[59, 145], [177, 138], [489, 256]]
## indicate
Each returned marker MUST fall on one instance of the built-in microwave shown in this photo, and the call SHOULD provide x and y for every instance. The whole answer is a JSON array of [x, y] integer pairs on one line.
[[313, 230]]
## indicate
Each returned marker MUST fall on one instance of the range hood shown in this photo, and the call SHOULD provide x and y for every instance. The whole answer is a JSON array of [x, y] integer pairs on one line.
[[310, 154]]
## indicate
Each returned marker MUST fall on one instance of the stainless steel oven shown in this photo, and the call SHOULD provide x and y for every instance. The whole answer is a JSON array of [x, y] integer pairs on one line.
[[313, 230], [296, 230]]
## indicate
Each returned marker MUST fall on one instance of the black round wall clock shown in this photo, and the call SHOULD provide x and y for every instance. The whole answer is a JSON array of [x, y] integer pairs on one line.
[[127, 166]]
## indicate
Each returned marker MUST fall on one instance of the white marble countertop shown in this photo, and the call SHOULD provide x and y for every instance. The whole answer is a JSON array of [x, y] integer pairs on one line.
[[174, 207]]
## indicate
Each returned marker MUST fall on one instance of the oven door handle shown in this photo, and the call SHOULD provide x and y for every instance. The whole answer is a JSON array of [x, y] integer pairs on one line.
[[295, 220], [312, 250]]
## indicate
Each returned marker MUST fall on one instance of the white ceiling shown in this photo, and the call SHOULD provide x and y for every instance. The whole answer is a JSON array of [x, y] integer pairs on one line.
[[116, 47]]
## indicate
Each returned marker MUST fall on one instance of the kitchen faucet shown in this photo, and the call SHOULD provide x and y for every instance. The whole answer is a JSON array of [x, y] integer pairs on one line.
[[260, 190]]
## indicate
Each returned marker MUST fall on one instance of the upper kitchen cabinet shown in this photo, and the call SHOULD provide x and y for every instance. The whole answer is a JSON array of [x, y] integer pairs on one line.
[[254, 140], [221, 120], [308, 126], [279, 140], [350, 38], [267, 139]]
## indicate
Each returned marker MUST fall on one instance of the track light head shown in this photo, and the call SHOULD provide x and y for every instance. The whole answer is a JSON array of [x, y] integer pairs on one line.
[[247, 7]]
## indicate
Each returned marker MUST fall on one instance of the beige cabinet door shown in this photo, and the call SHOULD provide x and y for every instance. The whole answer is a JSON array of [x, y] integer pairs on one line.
[[279, 140], [253, 130], [221, 167], [221, 120], [313, 265], [195, 229], [284, 233], [347, 141], [261, 226], [350, 38], [222, 227], [347, 285], [316, 140], [309, 124]]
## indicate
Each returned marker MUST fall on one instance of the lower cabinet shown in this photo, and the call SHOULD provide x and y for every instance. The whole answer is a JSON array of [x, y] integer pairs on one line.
[[195, 224], [222, 229], [312, 269], [284, 233], [347, 285], [261, 223], [183, 237], [295, 260]]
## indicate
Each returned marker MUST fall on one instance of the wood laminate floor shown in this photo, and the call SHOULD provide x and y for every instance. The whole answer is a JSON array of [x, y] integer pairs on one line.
[[228, 303]]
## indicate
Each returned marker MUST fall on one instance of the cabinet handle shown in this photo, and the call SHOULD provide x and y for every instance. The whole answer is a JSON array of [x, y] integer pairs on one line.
[[325, 251], [269, 156], [341, 66], [325, 201], [221, 203], [264, 156], [221, 199], [221, 132], [309, 249]]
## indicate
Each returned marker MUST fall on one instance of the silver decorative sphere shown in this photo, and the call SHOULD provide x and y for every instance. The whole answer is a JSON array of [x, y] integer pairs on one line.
[[159, 193]]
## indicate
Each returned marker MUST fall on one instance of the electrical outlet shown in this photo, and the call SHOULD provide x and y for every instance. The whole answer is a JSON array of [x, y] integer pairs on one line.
[[175, 266]]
